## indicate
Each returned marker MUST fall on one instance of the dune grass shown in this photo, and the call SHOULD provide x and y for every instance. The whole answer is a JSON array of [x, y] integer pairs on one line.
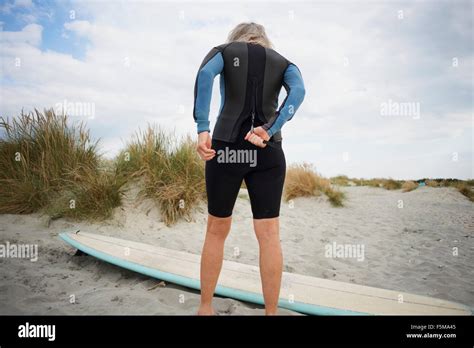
[[49, 165], [446, 182], [340, 180], [408, 186], [390, 184], [303, 181], [172, 172], [368, 182], [431, 183], [465, 189]]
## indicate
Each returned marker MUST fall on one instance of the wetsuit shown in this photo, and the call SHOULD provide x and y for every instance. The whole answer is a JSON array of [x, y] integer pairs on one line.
[[251, 78]]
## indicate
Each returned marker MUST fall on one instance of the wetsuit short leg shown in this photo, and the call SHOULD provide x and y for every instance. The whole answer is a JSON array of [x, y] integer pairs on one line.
[[262, 169]]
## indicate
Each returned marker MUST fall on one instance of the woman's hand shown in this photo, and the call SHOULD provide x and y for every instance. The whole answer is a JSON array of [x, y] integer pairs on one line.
[[257, 137], [204, 146]]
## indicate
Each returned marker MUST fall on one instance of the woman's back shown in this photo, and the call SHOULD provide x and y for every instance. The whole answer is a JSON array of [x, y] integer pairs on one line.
[[251, 80]]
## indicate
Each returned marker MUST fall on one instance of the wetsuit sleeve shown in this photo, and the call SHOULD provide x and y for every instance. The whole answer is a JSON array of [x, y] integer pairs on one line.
[[211, 66], [294, 85]]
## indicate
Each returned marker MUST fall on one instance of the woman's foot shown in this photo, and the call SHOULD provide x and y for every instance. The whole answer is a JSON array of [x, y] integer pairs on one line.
[[205, 310]]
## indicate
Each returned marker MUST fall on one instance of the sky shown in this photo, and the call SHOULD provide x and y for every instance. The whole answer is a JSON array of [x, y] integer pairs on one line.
[[389, 84]]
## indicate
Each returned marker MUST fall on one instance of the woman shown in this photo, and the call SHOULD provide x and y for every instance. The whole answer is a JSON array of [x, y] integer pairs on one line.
[[251, 77]]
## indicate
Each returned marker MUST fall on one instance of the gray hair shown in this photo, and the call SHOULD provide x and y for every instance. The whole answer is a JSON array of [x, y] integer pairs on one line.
[[250, 32]]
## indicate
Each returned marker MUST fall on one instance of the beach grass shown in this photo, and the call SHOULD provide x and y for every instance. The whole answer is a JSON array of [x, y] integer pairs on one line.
[[432, 183], [408, 186], [303, 181], [340, 180], [172, 172], [466, 190], [391, 184], [375, 182], [50, 165]]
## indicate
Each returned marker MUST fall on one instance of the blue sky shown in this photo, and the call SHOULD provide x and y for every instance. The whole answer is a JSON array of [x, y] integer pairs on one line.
[[136, 63], [15, 15]]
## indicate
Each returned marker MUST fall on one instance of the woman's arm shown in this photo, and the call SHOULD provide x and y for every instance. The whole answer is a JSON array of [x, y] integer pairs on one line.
[[294, 85], [211, 66]]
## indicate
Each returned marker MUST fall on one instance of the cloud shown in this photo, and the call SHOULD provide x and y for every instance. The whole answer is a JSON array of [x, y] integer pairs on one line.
[[23, 3], [82, 28], [29, 35]]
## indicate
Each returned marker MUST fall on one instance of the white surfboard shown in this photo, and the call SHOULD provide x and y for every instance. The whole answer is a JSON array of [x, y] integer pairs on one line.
[[300, 293]]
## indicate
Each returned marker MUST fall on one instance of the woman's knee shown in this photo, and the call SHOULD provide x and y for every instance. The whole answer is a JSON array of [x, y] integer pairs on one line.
[[218, 227], [267, 230]]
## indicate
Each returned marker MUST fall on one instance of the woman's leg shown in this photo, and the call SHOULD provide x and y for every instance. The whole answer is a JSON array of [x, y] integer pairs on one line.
[[265, 187], [223, 182], [211, 260], [271, 261]]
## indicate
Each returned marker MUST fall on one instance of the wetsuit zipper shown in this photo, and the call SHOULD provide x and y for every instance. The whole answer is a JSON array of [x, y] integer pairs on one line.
[[254, 109], [253, 103]]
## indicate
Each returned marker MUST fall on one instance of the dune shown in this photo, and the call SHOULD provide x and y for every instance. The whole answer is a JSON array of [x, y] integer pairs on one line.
[[410, 248]]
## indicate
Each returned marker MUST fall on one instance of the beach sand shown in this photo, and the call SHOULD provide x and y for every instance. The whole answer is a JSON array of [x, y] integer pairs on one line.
[[406, 249]]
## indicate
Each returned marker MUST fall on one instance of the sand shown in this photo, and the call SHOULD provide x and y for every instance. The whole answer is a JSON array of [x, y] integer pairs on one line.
[[406, 249]]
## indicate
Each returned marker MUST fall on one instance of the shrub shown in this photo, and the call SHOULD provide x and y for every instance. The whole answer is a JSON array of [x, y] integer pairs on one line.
[[431, 183], [409, 186], [340, 180], [370, 182], [390, 184]]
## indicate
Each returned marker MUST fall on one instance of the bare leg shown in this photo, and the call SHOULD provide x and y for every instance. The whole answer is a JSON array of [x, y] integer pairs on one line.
[[211, 260], [271, 261]]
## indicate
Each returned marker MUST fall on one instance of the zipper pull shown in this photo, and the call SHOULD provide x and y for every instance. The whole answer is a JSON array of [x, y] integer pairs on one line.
[[253, 117]]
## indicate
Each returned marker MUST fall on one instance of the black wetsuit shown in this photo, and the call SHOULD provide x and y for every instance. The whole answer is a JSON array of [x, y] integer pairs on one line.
[[251, 79], [264, 177]]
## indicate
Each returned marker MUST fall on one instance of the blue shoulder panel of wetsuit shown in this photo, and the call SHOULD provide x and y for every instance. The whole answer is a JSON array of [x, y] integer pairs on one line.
[[204, 83], [294, 85]]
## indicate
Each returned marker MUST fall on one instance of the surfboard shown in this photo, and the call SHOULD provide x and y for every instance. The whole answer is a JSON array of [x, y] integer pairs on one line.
[[300, 293]]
